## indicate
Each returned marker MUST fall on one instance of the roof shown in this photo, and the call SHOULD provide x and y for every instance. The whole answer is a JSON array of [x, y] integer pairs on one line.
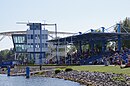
[[93, 36]]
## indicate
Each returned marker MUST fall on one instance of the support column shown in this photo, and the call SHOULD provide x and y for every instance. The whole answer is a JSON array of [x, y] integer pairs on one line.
[[119, 37], [103, 28], [15, 56], [41, 54], [103, 41], [80, 47], [103, 46], [119, 43], [92, 45], [34, 45], [80, 44], [92, 42]]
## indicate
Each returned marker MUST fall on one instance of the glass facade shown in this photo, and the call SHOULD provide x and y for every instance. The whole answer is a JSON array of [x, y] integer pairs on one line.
[[19, 39], [19, 42], [35, 26], [20, 47], [34, 42]]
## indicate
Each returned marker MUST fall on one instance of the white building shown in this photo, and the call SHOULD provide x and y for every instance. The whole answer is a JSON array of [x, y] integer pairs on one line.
[[34, 43], [37, 42]]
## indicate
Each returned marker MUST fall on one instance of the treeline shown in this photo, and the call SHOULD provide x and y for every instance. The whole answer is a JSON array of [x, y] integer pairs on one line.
[[7, 55], [125, 28]]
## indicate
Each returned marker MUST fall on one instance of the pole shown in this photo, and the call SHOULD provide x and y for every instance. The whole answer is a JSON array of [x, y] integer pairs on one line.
[[119, 37], [103, 46], [8, 71], [41, 46], [27, 72], [103, 28], [56, 43]]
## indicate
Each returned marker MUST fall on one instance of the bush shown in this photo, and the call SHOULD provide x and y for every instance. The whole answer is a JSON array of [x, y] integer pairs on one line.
[[57, 71], [68, 69], [119, 78], [41, 73]]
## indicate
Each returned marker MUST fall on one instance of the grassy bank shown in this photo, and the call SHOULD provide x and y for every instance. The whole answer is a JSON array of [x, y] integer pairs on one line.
[[110, 69]]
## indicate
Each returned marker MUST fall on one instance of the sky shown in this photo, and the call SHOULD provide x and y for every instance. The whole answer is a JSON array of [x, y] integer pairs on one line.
[[70, 15]]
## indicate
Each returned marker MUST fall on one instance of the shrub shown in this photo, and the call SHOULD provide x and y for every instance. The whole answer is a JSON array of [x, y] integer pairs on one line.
[[119, 78], [57, 71], [68, 69], [41, 73]]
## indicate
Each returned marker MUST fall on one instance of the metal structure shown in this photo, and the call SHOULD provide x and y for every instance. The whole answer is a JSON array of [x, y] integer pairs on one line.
[[21, 37], [101, 35], [24, 32], [91, 37]]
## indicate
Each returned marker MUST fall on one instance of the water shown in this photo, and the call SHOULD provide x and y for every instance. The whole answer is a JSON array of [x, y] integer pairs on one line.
[[34, 81]]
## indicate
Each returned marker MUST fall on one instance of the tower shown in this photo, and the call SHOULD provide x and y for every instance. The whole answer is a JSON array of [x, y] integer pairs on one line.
[[37, 45]]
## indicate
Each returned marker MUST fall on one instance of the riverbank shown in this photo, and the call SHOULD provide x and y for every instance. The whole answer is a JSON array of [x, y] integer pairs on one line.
[[91, 78], [86, 75]]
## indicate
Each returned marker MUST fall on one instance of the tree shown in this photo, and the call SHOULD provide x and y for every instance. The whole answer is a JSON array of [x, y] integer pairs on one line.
[[125, 27], [6, 55]]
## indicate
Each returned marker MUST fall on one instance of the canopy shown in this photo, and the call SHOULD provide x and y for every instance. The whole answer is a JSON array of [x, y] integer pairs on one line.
[[93, 36]]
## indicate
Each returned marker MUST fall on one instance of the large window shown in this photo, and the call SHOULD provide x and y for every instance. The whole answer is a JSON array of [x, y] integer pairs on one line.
[[20, 47], [35, 26], [19, 42], [19, 39]]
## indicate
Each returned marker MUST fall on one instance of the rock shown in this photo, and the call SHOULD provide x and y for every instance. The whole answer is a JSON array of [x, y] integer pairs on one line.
[[92, 78]]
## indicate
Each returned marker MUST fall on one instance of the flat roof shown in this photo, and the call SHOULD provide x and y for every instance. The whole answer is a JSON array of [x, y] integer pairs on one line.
[[93, 36]]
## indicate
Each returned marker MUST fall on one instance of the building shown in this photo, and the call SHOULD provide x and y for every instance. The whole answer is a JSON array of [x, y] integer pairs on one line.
[[33, 43]]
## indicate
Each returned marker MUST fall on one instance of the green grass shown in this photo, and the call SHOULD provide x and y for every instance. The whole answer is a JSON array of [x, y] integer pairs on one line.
[[109, 69]]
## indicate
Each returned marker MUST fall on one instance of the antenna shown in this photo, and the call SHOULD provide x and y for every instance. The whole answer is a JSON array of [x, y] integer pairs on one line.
[[44, 23]]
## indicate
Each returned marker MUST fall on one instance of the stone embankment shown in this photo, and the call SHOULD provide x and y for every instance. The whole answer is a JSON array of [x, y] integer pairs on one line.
[[92, 78]]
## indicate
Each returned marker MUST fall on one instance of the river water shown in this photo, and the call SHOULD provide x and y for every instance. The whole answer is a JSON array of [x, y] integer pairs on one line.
[[34, 81]]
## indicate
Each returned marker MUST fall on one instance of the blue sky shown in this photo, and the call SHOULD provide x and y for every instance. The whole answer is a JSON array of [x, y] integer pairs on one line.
[[70, 15]]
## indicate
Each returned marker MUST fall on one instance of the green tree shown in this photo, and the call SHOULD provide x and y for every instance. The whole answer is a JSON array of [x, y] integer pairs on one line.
[[6, 55], [125, 27]]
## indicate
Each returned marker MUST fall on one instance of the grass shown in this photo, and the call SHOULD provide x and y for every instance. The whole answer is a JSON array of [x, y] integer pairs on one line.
[[109, 69]]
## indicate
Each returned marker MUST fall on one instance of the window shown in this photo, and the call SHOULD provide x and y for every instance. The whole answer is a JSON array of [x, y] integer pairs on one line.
[[46, 37], [38, 45], [46, 45], [42, 36], [20, 47], [31, 36], [19, 39], [31, 45], [37, 36], [43, 45]]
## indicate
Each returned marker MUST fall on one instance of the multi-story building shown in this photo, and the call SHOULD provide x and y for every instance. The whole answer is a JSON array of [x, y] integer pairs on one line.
[[33, 43]]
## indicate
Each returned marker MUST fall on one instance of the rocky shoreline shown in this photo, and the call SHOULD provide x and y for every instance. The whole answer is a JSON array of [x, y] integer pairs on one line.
[[91, 78]]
